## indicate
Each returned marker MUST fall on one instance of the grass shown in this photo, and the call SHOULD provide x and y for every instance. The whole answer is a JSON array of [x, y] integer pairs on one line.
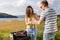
[[10, 26]]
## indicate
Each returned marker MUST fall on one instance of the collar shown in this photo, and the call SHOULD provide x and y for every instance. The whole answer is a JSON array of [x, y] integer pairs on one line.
[[46, 10]]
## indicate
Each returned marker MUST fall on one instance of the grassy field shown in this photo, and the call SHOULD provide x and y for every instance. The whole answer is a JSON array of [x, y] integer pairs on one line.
[[10, 26]]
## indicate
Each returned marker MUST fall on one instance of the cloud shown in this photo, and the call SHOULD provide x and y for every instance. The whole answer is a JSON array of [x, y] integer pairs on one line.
[[51, 1], [9, 9], [17, 7], [14, 3], [38, 3], [12, 8], [19, 3]]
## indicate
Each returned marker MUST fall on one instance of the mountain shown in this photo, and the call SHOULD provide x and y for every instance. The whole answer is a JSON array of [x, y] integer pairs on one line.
[[4, 15]]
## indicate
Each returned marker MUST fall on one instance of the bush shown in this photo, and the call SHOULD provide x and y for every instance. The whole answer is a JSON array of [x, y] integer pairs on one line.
[[39, 36], [58, 23], [57, 36]]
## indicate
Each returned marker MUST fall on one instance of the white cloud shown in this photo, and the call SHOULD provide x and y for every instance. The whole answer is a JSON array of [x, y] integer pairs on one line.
[[15, 3], [50, 1], [12, 7], [38, 3], [17, 7], [19, 3]]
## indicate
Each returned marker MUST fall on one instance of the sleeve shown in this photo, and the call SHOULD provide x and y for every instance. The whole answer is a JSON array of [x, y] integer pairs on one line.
[[43, 15]]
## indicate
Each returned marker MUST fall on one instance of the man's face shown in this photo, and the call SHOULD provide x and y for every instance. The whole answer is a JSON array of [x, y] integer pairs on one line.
[[42, 6]]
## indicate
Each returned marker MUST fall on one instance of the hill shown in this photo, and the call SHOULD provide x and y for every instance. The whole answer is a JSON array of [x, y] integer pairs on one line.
[[4, 15]]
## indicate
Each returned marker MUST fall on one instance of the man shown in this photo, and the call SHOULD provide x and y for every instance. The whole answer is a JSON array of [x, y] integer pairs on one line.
[[50, 17]]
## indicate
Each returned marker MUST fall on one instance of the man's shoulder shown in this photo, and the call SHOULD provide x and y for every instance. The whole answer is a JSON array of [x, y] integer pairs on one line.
[[51, 10]]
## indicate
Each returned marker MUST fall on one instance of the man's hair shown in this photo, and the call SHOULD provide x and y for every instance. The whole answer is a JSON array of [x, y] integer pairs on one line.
[[45, 3]]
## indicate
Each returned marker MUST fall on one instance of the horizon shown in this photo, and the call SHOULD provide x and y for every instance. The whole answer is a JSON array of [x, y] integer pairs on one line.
[[21, 15]]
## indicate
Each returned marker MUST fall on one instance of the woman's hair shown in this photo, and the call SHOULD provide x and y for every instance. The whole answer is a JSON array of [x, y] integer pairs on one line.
[[28, 11]]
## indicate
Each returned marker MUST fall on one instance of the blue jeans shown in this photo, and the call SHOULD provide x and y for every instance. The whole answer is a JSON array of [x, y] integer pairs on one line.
[[49, 36], [32, 32]]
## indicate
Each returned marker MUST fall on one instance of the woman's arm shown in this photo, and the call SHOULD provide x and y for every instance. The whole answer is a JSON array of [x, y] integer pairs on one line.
[[36, 17], [38, 21]]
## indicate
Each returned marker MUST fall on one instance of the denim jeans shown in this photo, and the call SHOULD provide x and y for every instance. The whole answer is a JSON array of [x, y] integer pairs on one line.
[[49, 36], [32, 32]]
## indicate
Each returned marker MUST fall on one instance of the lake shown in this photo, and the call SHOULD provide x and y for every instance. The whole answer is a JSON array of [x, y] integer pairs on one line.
[[10, 19]]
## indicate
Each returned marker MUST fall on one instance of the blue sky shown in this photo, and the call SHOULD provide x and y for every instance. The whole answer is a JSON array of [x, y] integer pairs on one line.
[[17, 7]]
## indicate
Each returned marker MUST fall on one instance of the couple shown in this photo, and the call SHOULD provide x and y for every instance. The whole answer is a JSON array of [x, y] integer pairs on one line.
[[50, 17]]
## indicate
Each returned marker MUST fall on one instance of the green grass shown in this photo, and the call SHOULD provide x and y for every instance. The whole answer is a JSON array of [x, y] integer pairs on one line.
[[5, 32]]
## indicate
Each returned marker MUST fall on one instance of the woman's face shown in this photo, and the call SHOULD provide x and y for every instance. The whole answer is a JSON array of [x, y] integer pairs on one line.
[[29, 10]]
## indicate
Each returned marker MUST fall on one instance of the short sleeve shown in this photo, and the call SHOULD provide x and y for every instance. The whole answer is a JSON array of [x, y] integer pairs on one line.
[[43, 15]]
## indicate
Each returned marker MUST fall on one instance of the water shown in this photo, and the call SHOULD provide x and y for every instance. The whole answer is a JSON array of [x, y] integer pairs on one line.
[[10, 19], [21, 17]]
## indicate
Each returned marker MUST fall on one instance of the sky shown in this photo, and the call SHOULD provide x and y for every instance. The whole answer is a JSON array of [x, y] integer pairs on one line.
[[18, 7]]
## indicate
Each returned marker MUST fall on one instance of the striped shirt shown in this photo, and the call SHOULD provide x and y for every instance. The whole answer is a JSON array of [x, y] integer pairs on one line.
[[50, 17]]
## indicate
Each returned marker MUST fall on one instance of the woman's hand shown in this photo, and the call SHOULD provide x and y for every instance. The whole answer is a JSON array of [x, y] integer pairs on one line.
[[29, 23], [37, 22]]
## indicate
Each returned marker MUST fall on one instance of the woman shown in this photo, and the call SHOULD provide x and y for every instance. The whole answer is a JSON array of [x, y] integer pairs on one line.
[[30, 19]]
